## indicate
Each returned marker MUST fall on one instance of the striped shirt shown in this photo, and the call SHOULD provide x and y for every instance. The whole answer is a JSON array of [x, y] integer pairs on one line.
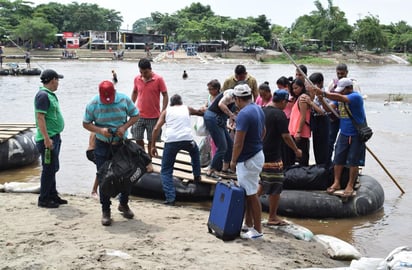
[[110, 115]]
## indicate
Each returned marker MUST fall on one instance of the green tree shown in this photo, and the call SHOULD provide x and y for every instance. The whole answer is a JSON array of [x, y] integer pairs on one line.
[[263, 27], [166, 24], [326, 24], [35, 32], [399, 36], [254, 40], [85, 17], [54, 13], [369, 33], [143, 25], [196, 12], [213, 28], [191, 31], [11, 12]]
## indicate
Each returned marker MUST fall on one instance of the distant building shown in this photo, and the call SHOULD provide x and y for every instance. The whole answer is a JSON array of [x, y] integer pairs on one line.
[[100, 40]]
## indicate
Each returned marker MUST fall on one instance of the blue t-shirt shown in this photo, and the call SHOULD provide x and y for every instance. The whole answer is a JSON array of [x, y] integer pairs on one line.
[[358, 112], [251, 120], [110, 115]]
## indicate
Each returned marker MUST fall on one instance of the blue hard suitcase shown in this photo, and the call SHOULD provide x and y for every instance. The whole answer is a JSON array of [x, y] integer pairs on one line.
[[228, 209]]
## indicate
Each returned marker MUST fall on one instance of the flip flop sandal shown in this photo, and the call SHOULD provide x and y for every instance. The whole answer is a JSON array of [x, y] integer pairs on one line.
[[331, 190], [212, 175], [277, 223]]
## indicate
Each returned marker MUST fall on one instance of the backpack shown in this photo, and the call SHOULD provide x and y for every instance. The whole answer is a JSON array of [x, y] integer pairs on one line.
[[127, 165]]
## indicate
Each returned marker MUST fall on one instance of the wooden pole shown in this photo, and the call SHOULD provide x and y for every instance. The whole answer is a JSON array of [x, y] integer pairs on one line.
[[304, 75], [387, 172]]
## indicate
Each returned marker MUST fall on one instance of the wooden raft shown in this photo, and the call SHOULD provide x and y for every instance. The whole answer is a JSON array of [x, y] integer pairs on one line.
[[182, 168], [9, 130]]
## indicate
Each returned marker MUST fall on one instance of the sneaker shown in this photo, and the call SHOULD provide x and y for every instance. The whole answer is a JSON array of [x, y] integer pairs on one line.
[[59, 200], [170, 203], [48, 204], [246, 228], [106, 219], [127, 213], [251, 234]]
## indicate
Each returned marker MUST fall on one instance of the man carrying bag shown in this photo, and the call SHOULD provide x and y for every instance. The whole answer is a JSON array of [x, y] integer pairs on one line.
[[350, 147], [109, 115]]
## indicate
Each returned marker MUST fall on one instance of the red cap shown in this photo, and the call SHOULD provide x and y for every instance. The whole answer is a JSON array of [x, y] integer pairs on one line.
[[107, 92]]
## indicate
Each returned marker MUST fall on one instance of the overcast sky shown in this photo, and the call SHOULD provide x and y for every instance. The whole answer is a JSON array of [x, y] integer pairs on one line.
[[283, 12]]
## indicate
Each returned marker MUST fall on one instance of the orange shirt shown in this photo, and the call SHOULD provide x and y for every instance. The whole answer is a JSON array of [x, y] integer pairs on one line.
[[294, 121]]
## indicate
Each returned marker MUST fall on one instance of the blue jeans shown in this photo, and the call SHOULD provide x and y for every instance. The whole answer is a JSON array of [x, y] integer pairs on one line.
[[102, 153], [48, 174], [221, 138], [168, 160]]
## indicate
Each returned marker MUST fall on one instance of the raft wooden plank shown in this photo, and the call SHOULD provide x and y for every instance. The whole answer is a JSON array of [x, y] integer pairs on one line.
[[14, 128], [181, 156], [9, 132], [186, 176], [180, 166], [184, 168], [26, 125]]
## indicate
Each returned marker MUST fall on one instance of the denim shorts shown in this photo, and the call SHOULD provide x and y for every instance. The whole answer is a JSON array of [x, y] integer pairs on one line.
[[248, 173], [350, 151]]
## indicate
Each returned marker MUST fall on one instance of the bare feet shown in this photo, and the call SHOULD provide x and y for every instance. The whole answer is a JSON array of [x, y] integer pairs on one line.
[[149, 168]]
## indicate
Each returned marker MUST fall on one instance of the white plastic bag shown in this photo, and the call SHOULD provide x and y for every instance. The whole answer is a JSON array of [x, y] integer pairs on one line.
[[200, 127]]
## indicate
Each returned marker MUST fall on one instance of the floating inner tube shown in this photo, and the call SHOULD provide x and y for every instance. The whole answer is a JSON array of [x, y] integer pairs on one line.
[[150, 185], [19, 150], [31, 71], [4, 72], [318, 204]]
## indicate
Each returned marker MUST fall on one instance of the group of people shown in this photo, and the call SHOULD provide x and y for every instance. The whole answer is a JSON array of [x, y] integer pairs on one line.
[[299, 109], [257, 133]]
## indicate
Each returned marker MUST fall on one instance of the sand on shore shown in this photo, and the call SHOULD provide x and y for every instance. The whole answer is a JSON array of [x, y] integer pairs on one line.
[[159, 237]]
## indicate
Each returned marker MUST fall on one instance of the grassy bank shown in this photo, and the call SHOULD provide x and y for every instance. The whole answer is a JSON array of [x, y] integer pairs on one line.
[[302, 59]]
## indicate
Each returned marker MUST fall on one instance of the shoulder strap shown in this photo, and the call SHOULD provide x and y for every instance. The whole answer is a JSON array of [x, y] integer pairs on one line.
[[356, 124]]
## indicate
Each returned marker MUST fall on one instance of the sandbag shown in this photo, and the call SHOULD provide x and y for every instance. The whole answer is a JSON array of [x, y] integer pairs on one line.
[[127, 165], [399, 258], [337, 248]]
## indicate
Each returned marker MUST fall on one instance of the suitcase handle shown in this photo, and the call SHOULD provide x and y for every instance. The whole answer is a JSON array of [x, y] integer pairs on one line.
[[228, 183]]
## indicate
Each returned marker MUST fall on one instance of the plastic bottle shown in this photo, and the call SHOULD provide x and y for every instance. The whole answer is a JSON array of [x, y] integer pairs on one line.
[[47, 156]]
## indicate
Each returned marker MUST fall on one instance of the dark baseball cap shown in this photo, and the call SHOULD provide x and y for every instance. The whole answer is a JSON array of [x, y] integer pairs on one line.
[[280, 95], [49, 74]]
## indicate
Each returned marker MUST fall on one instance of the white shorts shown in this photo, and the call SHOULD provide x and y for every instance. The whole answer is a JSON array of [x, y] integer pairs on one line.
[[248, 173]]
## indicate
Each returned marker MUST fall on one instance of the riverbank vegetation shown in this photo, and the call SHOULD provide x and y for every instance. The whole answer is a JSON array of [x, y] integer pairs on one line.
[[302, 59], [324, 29]]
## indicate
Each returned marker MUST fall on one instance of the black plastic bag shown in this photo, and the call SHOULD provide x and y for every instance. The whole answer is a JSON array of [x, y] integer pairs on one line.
[[127, 165]]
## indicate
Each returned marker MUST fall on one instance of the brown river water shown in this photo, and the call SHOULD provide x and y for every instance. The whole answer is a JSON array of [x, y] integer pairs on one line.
[[374, 235]]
